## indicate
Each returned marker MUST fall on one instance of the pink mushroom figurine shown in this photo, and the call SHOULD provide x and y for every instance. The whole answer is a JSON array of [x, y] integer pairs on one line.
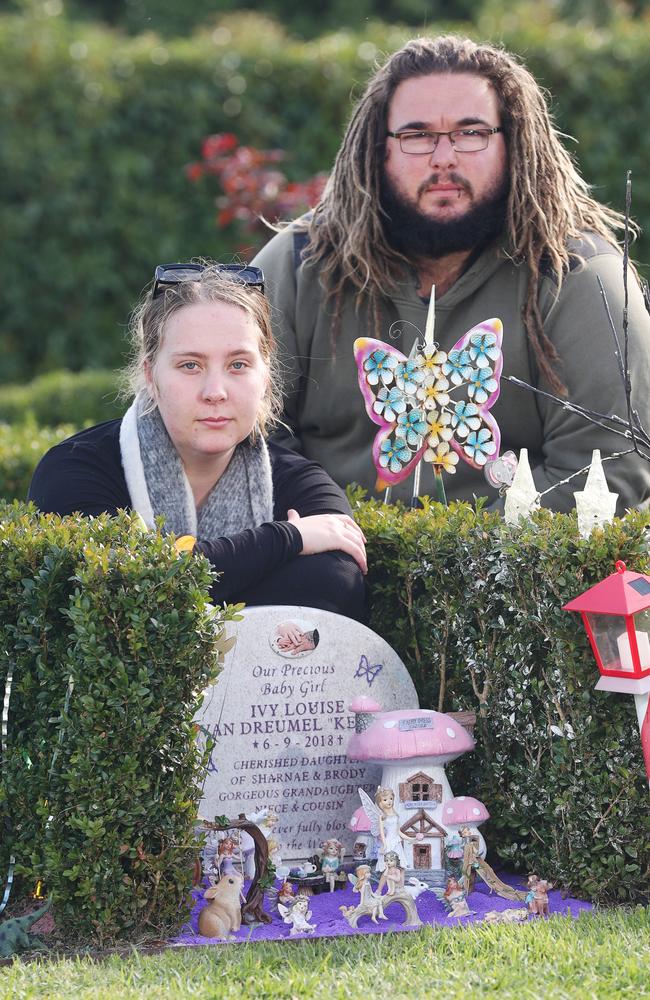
[[365, 847], [465, 811], [413, 746]]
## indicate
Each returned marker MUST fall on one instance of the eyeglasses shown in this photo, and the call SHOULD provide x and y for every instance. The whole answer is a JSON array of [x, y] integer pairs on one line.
[[168, 275], [463, 140]]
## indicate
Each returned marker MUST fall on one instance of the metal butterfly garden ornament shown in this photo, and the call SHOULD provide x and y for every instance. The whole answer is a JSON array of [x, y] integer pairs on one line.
[[432, 406]]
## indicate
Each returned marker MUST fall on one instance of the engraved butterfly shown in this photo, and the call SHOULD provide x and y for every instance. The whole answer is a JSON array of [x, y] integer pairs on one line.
[[368, 670], [432, 405]]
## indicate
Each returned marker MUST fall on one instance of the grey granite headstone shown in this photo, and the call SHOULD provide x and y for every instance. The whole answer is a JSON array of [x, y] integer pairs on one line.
[[279, 716]]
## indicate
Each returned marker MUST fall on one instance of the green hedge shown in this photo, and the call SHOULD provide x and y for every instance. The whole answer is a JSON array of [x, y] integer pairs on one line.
[[109, 638], [474, 608], [63, 397], [36, 416], [168, 18], [21, 447], [97, 129]]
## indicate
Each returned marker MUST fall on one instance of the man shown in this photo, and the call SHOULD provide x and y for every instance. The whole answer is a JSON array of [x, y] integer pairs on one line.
[[451, 173]]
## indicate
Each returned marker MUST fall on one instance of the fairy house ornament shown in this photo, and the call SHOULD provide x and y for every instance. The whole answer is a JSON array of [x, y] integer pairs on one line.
[[414, 811]]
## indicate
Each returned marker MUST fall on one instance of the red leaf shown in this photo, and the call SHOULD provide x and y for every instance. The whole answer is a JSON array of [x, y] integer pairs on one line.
[[222, 142], [193, 171]]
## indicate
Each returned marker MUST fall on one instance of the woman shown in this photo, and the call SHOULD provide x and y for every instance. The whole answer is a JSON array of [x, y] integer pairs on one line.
[[192, 447]]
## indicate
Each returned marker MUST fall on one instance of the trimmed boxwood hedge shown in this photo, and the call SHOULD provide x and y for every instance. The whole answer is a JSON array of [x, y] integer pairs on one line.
[[110, 641], [474, 607]]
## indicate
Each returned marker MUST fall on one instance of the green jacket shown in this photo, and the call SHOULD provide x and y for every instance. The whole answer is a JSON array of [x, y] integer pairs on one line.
[[325, 409]]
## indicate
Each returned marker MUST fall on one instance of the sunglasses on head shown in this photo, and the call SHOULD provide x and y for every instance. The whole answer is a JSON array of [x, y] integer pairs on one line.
[[168, 275]]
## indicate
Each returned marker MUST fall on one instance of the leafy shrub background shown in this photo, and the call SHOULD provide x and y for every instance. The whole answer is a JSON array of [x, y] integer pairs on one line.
[[110, 641], [63, 397], [21, 447], [36, 416], [474, 607], [167, 18], [98, 127]]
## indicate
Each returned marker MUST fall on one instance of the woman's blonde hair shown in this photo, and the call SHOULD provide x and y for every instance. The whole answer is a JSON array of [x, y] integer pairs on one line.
[[149, 319]]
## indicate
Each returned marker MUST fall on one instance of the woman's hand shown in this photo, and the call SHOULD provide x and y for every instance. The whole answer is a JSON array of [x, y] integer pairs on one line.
[[330, 533]]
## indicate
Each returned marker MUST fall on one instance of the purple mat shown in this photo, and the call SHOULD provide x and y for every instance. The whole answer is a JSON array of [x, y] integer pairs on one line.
[[326, 915]]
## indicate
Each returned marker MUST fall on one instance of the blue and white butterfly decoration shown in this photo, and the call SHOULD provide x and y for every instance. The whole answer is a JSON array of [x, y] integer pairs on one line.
[[432, 405]]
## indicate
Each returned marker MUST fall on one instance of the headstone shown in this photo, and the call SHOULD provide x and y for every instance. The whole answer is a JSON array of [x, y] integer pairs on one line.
[[279, 717]]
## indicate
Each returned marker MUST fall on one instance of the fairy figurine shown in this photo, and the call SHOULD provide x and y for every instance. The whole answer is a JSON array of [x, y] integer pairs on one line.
[[330, 861], [455, 899], [226, 852], [392, 877], [454, 851], [384, 825], [370, 903]]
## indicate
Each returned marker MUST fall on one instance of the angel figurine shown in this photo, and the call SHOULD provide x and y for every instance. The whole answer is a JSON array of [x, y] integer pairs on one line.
[[384, 825], [298, 916]]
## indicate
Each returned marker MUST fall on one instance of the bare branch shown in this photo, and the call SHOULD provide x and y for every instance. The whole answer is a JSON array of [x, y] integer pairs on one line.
[[581, 472], [626, 263], [592, 416], [617, 353]]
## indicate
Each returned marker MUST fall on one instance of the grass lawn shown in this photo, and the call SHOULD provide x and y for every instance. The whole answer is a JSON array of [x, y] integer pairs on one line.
[[599, 955]]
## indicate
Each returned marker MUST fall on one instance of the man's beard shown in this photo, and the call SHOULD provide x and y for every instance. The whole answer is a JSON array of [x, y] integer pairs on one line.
[[415, 234]]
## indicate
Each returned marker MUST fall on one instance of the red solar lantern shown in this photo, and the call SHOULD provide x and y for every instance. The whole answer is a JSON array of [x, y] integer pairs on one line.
[[616, 616]]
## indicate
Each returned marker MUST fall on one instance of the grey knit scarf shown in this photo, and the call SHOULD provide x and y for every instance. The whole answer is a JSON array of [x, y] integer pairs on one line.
[[157, 484]]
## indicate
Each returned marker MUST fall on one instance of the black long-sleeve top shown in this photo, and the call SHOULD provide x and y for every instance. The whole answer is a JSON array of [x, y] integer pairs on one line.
[[259, 565]]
